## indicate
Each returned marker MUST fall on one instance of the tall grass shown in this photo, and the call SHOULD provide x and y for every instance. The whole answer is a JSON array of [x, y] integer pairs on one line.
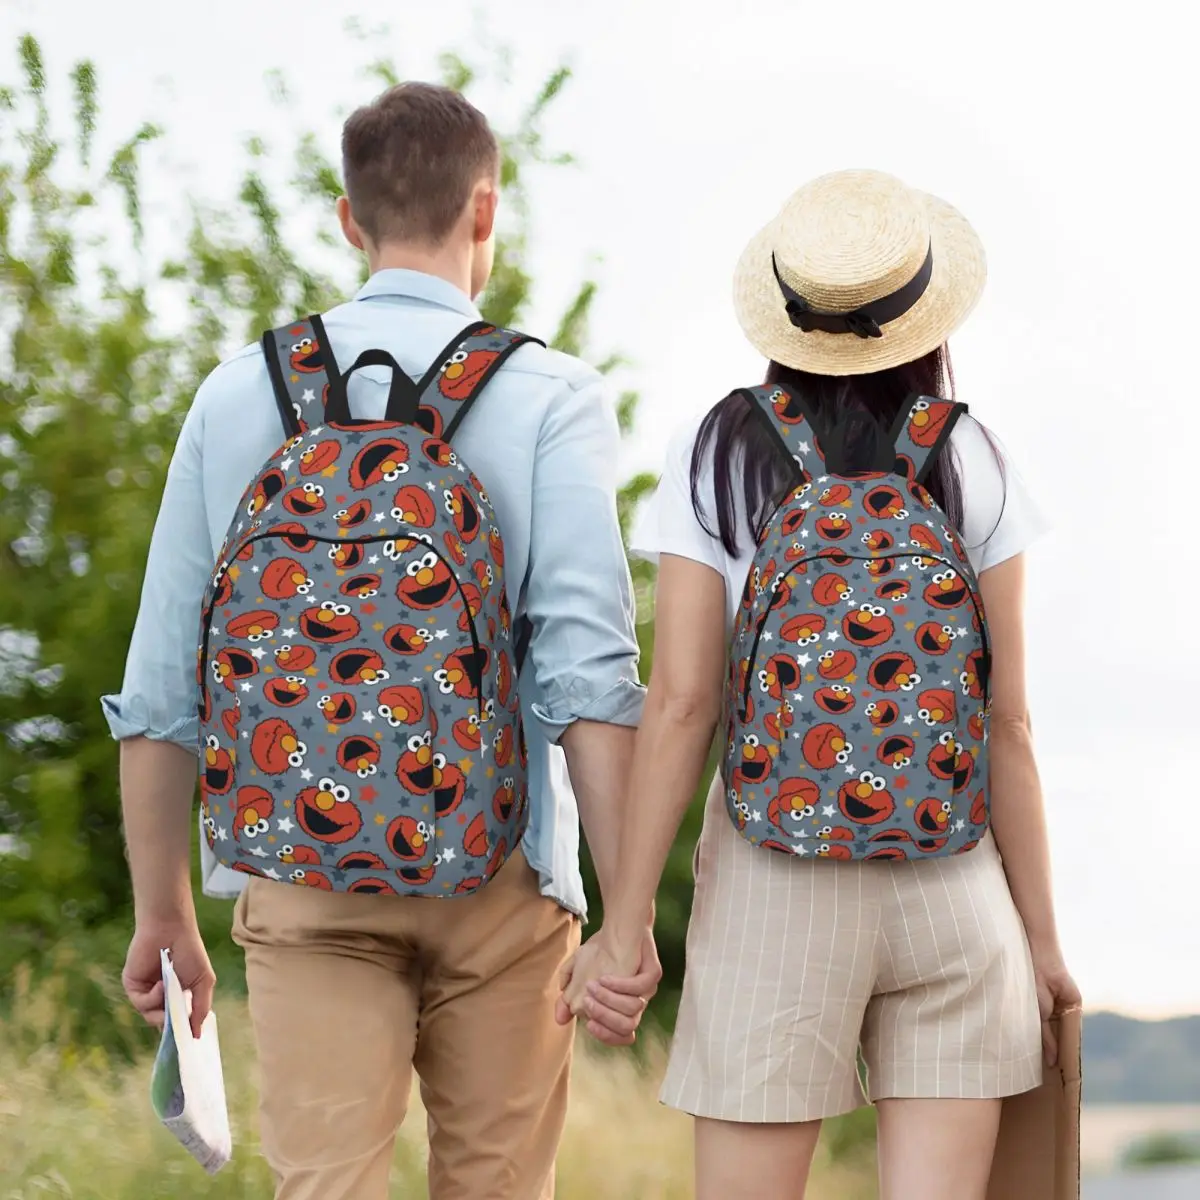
[[77, 1123]]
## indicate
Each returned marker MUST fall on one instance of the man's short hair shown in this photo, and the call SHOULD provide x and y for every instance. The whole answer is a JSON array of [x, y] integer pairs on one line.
[[410, 159]]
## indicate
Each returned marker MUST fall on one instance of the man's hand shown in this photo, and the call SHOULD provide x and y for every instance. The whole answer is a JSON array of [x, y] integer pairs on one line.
[[610, 988], [142, 977]]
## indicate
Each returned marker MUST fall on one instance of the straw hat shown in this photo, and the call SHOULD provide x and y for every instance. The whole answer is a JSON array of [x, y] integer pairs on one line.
[[858, 272]]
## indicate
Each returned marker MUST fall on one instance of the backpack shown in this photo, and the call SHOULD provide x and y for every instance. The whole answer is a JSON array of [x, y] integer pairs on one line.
[[857, 692], [359, 719]]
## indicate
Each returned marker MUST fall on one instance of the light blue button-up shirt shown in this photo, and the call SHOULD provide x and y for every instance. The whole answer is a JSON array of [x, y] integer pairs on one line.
[[544, 441]]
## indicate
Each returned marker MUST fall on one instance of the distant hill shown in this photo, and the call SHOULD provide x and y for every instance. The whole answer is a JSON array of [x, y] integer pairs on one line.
[[1140, 1062]]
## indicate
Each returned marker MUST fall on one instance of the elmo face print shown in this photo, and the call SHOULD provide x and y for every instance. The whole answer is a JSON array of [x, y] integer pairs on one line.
[[938, 706], [463, 672], [327, 813], [224, 591], [927, 421], [347, 555], [893, 672], [362, 587], [329, 623], [892, 589], [306, 500], [836, 495], [878, 540], [975, 726], [833, 528], [883, 502], [319, 456], [286, 691], [253, 626], [358, 665], [922, 536], [407, 640], [384, 459], [230, 719], [232, 666], [877, 568], [298, 855], [472, 607], [504, 801], [932, 818], [462, 372], [427, 583], [826, 746], [401, 705], [795, 801], [265, 490], [412, 505], [254, 806], [971, 677], [754, 764], [787, 407], [503, 746], [218, 767], [475, 840], [866, 800], [275, 747], [836, 664], [793, 520], [415, 768], [946, 590], [979, 808], [779, 677], [438, 453], [896, 751], [294, 658], [484, 575], [463, 512], [337, 708], [496, 546], [833, 842], [779, 720], [868, 626], [882, 713], [373, 887], [836, 699], [355, 515], [949, 760], [831, 589], [449, 786], [891, 844], [466, 732], [933, 638], [361, 860], [804, 630], [294, 536], [429, 421], [305, 356], [359, 754], [284, 578], [504, 679]]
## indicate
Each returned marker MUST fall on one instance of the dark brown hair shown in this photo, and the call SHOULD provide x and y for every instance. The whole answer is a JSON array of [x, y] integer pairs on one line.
[[410, 159]]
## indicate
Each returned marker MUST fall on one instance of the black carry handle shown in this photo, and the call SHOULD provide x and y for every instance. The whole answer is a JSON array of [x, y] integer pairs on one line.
[[403, 396]]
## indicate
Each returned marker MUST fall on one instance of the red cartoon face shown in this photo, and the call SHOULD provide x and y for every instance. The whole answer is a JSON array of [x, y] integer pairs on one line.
[[877, 568], [224, 591], [306, 500], [305, 356], [230, 719], [463, 511], [504, 801], [933, 638], [286, 691], [938, 706], [496, 546], [284, 578], [804, 630], [826, 746], [932, 818], [504, 679], [230, 667], [792, 522], [834, 527], [265, 490], [831, 589], [779, 676], [866, 800], [359, 754], [836, 664], [373, 887], [893, 672], [294, 536], [794, 553], [971, 677], [833, 842], [979, 808], [921, 535], [327, 813], [439, 453], [294, 658], [484, 575], [896, 751], [949, 760], [384, 459], [253, 626], [883, 502], [361, 860], [298, 855], [503, 745], [462, 673], [466, 732], [401, 704], [754, 764], [795, 801], [319, 456], [355, 515], [463, 371], [407, 640], [891, 843], [927, 421], [251, 819], [413, 505], [417, 876], [975, 726], [415, 767], [328, 623], [882, 713], [275, 747], [878, 540], [427, 582], [892, 589], [218, 767], [472, 606], [787, 407], [358, 665], [449, 786], [835, 495], [779, 720], [946, 589], [475, 840], [362, 587], [836, 699], [337, 707], [869, 625], [347, 555]]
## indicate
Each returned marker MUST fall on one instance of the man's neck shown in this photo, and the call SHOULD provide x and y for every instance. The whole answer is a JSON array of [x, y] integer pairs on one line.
[[451, 263]]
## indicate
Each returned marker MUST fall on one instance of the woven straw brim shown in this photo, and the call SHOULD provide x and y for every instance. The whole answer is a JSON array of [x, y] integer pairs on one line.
[[959, 273]]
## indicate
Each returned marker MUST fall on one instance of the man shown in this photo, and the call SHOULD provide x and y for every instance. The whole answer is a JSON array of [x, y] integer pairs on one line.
[[349, 993]]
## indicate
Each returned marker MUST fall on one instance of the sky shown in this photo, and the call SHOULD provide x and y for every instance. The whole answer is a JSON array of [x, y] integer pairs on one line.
[[1063, 134]]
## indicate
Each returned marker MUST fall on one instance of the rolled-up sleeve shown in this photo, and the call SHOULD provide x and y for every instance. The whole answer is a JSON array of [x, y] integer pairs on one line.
[[158, 697], [579, 596]]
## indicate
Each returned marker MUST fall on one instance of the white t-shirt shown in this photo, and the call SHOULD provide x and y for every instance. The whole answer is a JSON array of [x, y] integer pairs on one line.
[[1000, 518]]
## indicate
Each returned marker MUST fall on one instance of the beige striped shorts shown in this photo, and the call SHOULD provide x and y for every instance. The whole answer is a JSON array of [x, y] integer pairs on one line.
[[794, 967]]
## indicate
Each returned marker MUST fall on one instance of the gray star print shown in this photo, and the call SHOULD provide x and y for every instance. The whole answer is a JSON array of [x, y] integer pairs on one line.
[[255, 711]]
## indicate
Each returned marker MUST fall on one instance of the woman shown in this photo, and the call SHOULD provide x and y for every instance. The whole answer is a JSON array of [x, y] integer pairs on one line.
[[935, 964]]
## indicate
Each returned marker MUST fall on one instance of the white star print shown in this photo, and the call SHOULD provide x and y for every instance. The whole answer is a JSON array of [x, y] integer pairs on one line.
[[415, 679], [961, 631], [850, 768], [285, 825], [904, 566], [310, 599], [258, 852], [767, 636], [756, 815], [803, 447], [314, 432], [799, 699], [828, 810], [245, 687], [945, 683], [245, 734], [804, 533], [960, 825], [306, 775], [800, 849], [803, 659], [929, 523], [380, 518], [288, 632], [441, 633], [795, 735], [259, 653], [432, 487], [832, 635], [286, 463], [221, 835], [368, 716], [255, 569], [448, 854], [823, 478], [271, 873], [308, 395], [806, 505], [373, 559], [908, 720], [214, 631]]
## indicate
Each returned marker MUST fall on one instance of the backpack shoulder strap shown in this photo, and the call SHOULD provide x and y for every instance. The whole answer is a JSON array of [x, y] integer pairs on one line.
[[460, 373], [300, 363], [790, 423], [922, 428]]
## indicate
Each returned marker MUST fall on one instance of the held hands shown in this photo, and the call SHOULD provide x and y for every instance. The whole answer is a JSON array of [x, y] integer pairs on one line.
[[142, 977], [1056, 991], [608, 986]]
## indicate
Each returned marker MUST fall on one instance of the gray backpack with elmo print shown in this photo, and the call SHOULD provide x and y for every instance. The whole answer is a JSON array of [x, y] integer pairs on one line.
[[857, 692], [359, 717]]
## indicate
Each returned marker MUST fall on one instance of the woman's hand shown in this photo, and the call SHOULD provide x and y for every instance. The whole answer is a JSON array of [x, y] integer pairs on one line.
[[1056, 991], [609, 985]]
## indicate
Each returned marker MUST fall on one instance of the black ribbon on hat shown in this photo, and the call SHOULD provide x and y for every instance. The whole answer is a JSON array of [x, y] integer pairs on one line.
[[865, 322]]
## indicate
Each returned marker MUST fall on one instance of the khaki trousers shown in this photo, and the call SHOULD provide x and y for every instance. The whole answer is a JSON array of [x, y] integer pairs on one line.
[[350, 992]]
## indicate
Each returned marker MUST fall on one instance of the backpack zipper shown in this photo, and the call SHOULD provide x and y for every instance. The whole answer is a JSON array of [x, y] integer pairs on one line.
[[762, 621], [359, 541]]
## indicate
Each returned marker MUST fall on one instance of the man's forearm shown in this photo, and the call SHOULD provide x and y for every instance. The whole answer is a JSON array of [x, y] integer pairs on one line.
[[157, 783]]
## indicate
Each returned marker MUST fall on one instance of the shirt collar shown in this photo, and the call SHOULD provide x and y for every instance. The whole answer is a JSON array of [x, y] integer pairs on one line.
[[416, 285]]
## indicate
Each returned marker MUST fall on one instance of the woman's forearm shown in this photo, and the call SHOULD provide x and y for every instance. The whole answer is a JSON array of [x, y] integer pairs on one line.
[[1019, 824], [668, 761]]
